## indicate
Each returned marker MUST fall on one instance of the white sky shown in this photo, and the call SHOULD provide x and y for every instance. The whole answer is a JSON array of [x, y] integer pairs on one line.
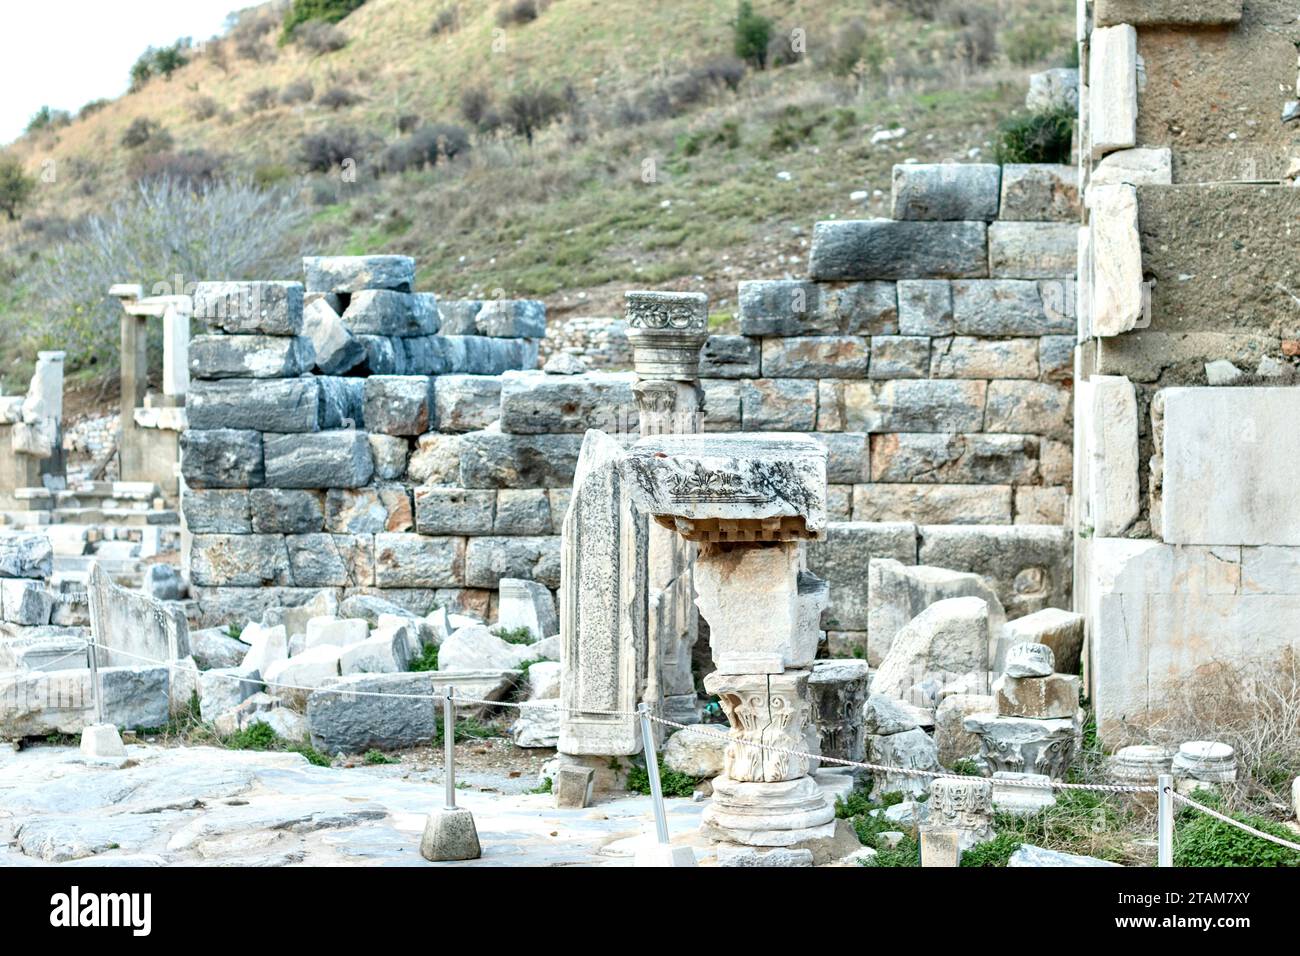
[[65, 53]]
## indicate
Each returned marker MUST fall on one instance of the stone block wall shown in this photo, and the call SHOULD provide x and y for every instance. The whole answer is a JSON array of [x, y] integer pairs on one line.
[[1188, 548]]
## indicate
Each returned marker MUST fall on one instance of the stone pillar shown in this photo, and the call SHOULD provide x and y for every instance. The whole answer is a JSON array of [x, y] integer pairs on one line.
[[750, 502], [176, 349], [667, 330]]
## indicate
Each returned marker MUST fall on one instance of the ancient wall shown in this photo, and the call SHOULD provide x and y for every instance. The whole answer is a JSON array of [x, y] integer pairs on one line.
[[930, 353], [1189, 335]]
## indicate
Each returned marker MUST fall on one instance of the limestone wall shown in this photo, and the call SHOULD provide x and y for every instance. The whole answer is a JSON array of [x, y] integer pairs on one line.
[[1188, 522]]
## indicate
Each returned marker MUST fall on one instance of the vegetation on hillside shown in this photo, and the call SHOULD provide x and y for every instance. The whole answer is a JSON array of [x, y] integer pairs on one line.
[[541, 149]]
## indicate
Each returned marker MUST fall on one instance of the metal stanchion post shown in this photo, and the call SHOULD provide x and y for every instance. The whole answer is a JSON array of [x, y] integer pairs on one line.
[[96, 688], [661, 852], [449, 746], [1165, 820]]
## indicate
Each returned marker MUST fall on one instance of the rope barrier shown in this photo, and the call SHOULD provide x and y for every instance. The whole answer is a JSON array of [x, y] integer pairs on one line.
[[1179, 798]]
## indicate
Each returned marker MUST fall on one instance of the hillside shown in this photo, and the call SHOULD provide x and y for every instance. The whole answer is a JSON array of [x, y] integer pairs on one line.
[[660, 160]]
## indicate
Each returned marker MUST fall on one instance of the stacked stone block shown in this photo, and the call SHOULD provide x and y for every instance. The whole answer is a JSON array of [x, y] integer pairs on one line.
[[311, 402]]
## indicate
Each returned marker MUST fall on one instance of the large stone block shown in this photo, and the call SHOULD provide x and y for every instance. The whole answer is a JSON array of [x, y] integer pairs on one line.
[[846, 456], [343, 714], [489, 559], [266, 308], [466, 403], [1028, 565], [899, 591], [900, 356], [39, 703], [1109, 13], [390, 356], [333, 459], [216, 511], [888, 249], [395, 314], [1033, 250], [946, 191], [435, 460], [493, 459], [369, 510], [466, 355], [221, 458], [24, 555], [925, 307], [336, 348], [1005, 307], [331, 560], [1115, 252], [721, 405], [399, 404], [416, 561], [945, 458], [441, 510], [250, 356], [283, 511], [349, 274], [933, 504], [1227, 458], [1040, 192], [534, 403], [522, 511], [782, 307], [1062, 631], [861, 308], [239, 560], [511, 319], [839, 559], [816, 356], [272, 405], [1111, 435], [1112, 89], [1022, 407], [965, 356], [914, 405], [946, 643], [342, 402], [768, 404], [730, 356]]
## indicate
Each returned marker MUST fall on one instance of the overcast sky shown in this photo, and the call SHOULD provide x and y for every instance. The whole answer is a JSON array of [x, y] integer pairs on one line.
[[65, 53]]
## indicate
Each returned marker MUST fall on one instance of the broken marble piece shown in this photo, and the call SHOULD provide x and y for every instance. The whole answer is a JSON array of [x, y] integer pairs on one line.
[[527, 604], [1030, 660], [1206, 761], [1024, 745]]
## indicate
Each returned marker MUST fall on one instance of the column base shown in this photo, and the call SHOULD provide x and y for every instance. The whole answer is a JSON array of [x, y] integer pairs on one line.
[[785, 814]]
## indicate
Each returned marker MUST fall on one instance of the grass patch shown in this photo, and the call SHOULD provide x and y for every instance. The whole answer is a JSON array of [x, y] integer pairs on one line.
[[544, 787], [514, 635], [996, 852], [673, 783], [427, 661], [378, 757], [1201, 840]]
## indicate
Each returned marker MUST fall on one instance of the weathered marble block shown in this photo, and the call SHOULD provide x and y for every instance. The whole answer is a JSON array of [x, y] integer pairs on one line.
[[535, 403], [266, 308], [946, 191], [349, 274], [838, 690], [890, 249], [396, 314], [250, 356], [1023, 744]]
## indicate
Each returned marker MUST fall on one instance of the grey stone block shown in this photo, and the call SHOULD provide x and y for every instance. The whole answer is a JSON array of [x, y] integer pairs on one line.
[[458, 316], [524, 511], [336, 348], [441, 511], [946, 191], [386, 356], [468, 355], [730, 356], [250, 356], [399, 404], [489, 559], [842, 558], [1167, 13], [847, 458], [721, 405], [1033, 250], [1005, 307], [132, 698], [925, 307], [390, 453], [355, 723], [221, 458], [466, 403], [342, 402], [265, 405], [284, 511], [511, 319], [1056, 358], [862, 308], [268, 308], [782, 307], [394, 314], [773, 404], [349, 274], [946, 458], [239, 560], [964, 356], [419, 561], [369, 510], [900, 356], [25, 555], [494, 459], [1030, 408], [1040, 192], [25, 602], [534, 403], [1028, 565], [331, 560], [815, 356], [888, 249], [435, 460], [330, 459], [914, 405], [216, 511]]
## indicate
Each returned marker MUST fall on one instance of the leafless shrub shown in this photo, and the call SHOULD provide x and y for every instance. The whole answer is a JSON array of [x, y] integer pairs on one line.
[[425, 147], [143, 132], [1255, 708], [319, 38], [260, 99], [977, 42], [193, 168], [338, 97], [321, 152], [299, 91], [921, 9], [203, 108], [518, 12], [447, 20], [527, 111]]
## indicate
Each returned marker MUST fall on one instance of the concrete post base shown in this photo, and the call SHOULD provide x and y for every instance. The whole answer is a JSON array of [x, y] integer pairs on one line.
[[664, 854], [102, 742], [449, 834]]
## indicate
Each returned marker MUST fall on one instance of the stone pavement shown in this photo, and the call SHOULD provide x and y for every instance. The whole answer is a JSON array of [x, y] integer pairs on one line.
[[203, 806]]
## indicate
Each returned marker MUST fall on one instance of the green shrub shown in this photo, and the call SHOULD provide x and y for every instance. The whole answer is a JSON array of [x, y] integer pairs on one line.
[[1036, 138], [753, 34], [514, 635], [16, 187], [673, 783], [160, 61], [965, 767], [1201, 840], [857, 804], [377, 757], [1031, 44], [544, 787], [327, 11], [995, 852], [427, 661], [46, 118]]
